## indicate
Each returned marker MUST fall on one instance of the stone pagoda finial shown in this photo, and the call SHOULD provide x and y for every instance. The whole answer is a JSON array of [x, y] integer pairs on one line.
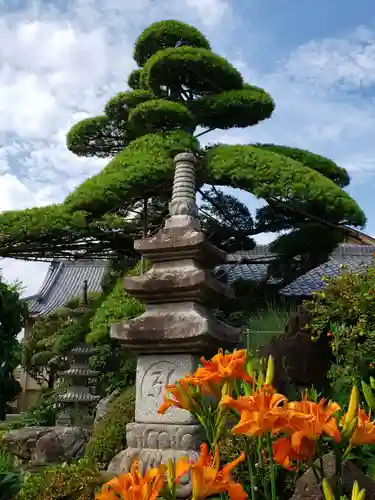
[[183, 207]]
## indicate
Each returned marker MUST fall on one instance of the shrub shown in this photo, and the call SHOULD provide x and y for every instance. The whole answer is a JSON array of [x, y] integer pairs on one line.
[[75, 481], [10, 485], [109, 437], [6, 461], [116, 366], [10, 477], [44, 412], [345, 312]]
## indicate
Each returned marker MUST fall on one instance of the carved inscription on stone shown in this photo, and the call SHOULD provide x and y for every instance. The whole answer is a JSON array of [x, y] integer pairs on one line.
[[154, 373], [156, 378]]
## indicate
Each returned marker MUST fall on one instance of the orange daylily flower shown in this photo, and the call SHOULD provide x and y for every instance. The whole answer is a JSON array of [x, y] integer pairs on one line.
[[134, 486], [261, 412], [181, 396], [321, 419], [208, 480], [365, 430], [223, 367], [285, 451], [307, 421]]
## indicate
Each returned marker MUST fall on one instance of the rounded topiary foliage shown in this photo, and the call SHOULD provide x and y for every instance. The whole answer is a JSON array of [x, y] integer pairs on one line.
[[160, 114], [109, 437], [79, 480], [167, 34]]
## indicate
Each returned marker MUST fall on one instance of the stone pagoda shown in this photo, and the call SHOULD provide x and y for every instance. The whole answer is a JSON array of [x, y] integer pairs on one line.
[[177, 327], [78, 401]]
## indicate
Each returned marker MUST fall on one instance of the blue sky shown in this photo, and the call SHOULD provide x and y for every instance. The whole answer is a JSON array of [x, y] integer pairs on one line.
[[61, 61]]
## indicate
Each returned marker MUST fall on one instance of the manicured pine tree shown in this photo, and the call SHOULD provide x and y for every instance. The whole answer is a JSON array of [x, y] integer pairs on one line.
[[180, 91]]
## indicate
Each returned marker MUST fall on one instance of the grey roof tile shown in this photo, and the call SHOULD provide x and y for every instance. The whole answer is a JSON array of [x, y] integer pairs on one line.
[[353, 257], [63, 282]]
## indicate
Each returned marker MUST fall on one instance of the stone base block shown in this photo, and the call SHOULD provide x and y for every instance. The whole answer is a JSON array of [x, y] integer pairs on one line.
[[155, 444]]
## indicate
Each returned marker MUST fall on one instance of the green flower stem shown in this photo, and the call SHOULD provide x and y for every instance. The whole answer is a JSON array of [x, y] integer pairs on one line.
[[250, 469], [321, 465], [272, 466], [262, 469], [339, 473]]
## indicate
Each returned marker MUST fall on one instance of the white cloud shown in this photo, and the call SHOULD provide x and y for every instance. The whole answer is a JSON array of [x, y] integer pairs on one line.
[[345, 63], [31, 274], [211, 12], [14, 193]]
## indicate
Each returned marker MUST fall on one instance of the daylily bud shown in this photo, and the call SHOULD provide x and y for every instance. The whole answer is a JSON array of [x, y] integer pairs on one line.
[[226, 389], [260, 380], [356, 494], [171, 476], [270, 371], [349, 428], [355, 489], [353, 406], [327, 490], [247, 389], [249, 364], [369, 396]]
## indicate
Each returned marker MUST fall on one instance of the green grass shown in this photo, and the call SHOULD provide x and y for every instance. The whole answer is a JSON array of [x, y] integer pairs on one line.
[[6, 462], [265, 324]]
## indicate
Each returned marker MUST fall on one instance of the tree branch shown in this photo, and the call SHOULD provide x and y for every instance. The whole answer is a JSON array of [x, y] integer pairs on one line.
[[205, 132]]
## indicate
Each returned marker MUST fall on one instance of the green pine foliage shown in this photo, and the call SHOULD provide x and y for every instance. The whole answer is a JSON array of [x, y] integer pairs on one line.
[[52, 336], [140, 170], [116, 306]]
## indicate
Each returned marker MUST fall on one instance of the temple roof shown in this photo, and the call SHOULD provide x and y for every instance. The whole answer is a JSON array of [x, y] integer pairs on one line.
[[352, 257], [64, 279]]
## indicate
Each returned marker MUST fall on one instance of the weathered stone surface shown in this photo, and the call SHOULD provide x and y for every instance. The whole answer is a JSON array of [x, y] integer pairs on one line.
[[187, 282], [103, 406], [154, 372], [154, 444], [179, 243], [36, 446], [183, 202], [308, 489], [179, 327]]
